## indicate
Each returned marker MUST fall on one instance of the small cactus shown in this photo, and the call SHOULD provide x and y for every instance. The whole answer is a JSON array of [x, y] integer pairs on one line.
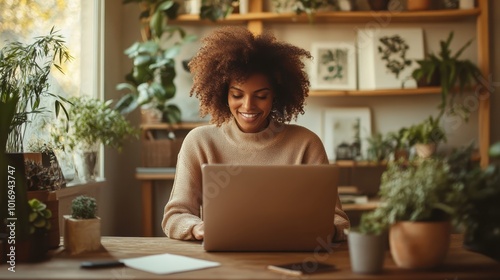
[[83, 207]]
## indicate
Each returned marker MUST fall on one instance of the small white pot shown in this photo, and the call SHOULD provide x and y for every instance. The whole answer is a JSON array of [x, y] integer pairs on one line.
[[366, 252]]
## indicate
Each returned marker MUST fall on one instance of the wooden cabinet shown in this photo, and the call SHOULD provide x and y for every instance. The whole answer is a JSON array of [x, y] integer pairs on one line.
[[258, 18]]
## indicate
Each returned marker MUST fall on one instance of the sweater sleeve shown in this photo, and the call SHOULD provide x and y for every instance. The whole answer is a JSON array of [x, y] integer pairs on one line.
[[315, 154], [182, 212]]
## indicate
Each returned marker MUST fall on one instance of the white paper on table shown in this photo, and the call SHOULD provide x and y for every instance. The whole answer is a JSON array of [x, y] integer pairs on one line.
[[167, 263]]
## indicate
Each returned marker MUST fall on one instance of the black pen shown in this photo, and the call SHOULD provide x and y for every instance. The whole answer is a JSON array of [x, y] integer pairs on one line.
[[101, 264]]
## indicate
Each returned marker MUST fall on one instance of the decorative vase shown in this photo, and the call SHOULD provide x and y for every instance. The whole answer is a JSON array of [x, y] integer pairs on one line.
[[85, 164], [243, 6], [418, 5], [81, 235], [425, 150], [366, 252], [419, 245], [192, 6], [150, 115]]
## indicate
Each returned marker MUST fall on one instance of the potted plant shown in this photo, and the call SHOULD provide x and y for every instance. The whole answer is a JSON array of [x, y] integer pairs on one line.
[[418, 203], [92, 122], [399, 144], [36, 246], [150, 85], [309, 7], [368, 243], [24, 93], [217, 9], [478, 210], [447, 70], [425, 136], [378, 147], [82, 229]]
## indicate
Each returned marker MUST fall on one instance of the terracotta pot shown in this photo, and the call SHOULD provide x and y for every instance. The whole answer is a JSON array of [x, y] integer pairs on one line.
[[419, 245], [418, 5]]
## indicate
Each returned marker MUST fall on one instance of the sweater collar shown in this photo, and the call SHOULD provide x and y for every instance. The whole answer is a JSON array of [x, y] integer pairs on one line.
[[270, 135]]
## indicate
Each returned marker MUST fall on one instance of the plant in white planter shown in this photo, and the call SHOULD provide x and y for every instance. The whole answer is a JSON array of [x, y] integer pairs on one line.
[[82, 229], [92, 122], [368, 243], [425, 136]]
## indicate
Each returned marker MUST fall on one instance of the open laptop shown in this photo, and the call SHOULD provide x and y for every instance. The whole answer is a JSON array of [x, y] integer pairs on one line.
[[268, 207]]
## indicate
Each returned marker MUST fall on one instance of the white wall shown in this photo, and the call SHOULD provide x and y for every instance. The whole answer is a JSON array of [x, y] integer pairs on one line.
[[122, 210]]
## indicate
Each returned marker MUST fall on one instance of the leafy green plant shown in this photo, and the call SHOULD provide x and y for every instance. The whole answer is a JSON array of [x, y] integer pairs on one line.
[[39, 217], [93, 122], [216, 9], [151, 80], [476, 196], [418, 191], [24, 85], [448, 71], [83, 207], [426, 132], [379, 147], [309, 7], [373, 222]]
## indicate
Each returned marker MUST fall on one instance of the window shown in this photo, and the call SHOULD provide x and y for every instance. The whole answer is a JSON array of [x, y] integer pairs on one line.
[[80, 24]]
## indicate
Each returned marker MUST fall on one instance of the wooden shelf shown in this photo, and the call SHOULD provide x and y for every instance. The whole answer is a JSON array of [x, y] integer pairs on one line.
[[380, 92], [341, 17]]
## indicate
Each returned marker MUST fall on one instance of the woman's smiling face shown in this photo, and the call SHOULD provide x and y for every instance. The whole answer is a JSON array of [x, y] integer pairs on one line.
[[251, 102]]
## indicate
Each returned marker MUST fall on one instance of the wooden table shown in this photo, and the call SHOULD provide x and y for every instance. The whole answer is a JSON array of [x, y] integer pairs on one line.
[[459, 265]]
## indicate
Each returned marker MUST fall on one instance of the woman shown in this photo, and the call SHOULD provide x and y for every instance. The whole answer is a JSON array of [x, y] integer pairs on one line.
[[251, 86]]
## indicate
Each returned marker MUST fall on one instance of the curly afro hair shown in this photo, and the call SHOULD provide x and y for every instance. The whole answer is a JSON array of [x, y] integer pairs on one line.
[[233, 54]]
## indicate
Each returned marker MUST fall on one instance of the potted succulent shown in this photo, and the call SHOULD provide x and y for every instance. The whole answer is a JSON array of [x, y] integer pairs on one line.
[[92, 122], [419, 203], [150, 85], [448, 71], [368, 243], [82, 229], [425, 136]]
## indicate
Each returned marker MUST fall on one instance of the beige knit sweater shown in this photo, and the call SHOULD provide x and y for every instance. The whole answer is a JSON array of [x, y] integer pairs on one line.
[[277, 144]]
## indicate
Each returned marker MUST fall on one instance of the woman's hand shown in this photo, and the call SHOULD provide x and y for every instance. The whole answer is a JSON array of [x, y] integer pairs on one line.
[[198, 231]]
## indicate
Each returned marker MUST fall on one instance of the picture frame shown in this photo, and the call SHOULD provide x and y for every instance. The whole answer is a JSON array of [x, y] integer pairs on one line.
[[333, 66], [387, 57], [345, 133]]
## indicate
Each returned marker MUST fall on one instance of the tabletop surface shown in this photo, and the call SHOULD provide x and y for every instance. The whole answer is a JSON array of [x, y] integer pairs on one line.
[[460, 264]]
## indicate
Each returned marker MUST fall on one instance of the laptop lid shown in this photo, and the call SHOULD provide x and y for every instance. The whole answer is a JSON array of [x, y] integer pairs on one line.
[[268, 207]]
